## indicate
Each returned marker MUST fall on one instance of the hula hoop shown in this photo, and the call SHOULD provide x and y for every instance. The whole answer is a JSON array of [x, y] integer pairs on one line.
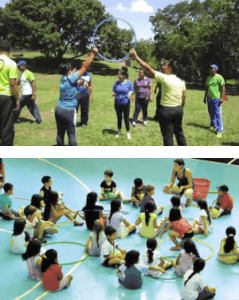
[[74, 262], [162, 278], [66, 223], [94, 36], [197, 240]]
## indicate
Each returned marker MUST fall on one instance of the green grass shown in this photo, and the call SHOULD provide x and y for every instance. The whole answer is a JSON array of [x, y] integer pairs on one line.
[[102, 124]]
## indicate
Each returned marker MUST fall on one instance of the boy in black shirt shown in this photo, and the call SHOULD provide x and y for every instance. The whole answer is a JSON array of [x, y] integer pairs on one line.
[[44, 191], [138, 192], [109, 188]]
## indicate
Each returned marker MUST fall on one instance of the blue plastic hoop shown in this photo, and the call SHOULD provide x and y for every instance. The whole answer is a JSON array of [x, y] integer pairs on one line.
[[94, 35]]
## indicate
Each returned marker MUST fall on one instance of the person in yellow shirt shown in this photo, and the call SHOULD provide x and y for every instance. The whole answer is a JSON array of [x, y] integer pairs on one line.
[[9, 98], [28, 87], [170, 112]]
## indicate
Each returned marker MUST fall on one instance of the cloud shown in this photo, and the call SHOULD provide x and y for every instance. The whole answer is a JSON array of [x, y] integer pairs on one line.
[[141, 6], [120, 7]]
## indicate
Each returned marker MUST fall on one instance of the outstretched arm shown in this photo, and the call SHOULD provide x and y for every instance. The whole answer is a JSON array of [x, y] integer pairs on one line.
[[142, 63]]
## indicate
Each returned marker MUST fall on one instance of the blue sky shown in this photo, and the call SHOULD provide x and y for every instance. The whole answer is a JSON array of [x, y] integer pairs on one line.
[[136, 12]]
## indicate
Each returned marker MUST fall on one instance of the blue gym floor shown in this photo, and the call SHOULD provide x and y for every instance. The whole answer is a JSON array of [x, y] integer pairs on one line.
[[91, 280]]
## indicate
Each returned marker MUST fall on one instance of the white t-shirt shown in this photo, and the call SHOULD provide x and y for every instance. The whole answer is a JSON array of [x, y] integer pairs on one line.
[[115, 221], [94, 249], [107, 249], [30, 226], [18, 243], [25, 79], [190, 291], [203, 213], [154, 263], [172, 89]]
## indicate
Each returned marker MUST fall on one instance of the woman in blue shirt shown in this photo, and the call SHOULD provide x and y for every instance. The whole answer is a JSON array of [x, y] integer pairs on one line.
[[123, 91], [65, 112]]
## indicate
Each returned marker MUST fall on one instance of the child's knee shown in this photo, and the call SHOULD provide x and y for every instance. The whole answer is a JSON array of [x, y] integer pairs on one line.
[[188, 193]]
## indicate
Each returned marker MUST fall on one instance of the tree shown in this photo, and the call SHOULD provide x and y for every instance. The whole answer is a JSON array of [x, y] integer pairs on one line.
[[52, 26]]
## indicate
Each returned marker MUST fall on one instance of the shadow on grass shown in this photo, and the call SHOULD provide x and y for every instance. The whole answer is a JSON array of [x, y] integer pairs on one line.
[[49, 66], [153, 119], [230, 144], [199, 126], [24, 120], [109, 131]]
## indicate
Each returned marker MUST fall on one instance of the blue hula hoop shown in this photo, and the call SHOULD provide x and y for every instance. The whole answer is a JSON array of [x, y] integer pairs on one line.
[[94, 35]]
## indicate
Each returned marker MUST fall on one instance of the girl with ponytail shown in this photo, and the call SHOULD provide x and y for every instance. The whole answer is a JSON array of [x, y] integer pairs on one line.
[[148, 219], [194, 287], [228, 253], [96, 239], [151, 257], [204, 223], [185, 260], [115, 218], [52, 278]]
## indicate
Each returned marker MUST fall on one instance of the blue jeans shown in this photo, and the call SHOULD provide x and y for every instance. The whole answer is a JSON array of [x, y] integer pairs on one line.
[[215, 112], [203, 295], [26, 100]]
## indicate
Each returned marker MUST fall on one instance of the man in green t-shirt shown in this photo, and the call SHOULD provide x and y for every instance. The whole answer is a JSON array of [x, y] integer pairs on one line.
[[28, 97], [9, 98], [215, 93]]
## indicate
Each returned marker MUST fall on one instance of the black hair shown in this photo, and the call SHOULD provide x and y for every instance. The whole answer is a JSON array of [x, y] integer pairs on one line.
[[7, 187], [29, 210], [109, 230], [203, 205], [198, 266], [19, 226], [229, 245], [91, 199], [109, 173], [138, 182], [52, 201], [175, 200], [114, 207], [0, 162], [49, 259], [45, 179], [36, 200], [174, 214], [179, 161], [149, 208], [33, 249], [151, 245], [124, 71], [64, 68], [190, 247], [149, 187], [98, 227], [142, 69], [131, 258]]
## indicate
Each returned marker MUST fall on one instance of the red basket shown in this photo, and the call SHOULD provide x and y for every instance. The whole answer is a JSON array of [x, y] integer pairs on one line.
[[201, 187]]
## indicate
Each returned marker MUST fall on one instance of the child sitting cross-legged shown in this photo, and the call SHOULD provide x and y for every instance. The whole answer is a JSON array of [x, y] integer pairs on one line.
[[33, 259], [229, 253], [151, 257], [20, 237], [52, 278], [150, 191], [96, 239], [130, 273], [109, 257]]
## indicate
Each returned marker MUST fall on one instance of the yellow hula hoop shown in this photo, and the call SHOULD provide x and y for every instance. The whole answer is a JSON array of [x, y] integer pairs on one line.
[[197, 240], [66, 223]]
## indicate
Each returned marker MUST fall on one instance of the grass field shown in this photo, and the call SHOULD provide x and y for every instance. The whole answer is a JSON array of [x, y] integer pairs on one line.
[[102, 125]]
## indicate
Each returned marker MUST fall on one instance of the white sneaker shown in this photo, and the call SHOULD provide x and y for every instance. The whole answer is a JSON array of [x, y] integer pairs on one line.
[[133, 124], [118, 135], [128, 135], [219, 135], [145, 123]]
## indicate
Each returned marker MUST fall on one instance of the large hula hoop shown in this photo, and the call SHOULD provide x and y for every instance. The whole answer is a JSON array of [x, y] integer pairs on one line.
[[197, 240], [74, 262], [94, 36]]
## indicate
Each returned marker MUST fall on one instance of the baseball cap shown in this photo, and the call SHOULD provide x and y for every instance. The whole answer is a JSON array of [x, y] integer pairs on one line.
[[5, 45], [223, 188], [215, 67], [22, 63]]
